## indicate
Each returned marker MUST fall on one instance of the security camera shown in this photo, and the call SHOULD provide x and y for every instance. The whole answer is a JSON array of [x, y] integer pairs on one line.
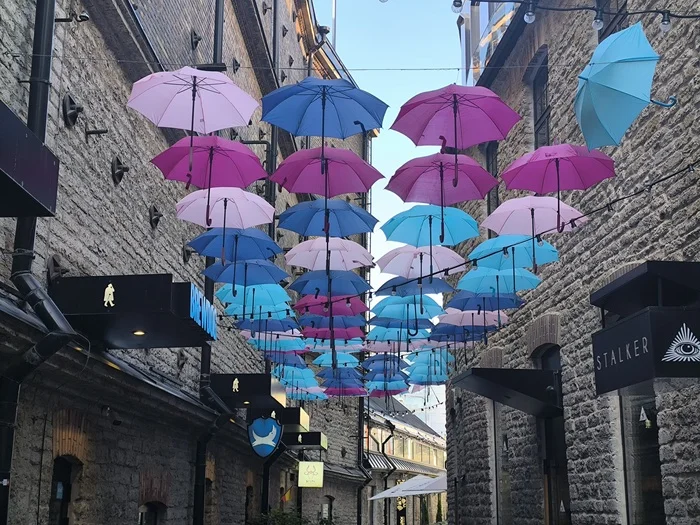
[[83, 17]]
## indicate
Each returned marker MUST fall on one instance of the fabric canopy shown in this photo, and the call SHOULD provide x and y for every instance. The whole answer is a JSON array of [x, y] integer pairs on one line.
[[414, 487]]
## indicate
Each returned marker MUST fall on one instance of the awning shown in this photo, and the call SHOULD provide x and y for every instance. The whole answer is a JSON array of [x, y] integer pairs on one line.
[[415, 487], [379, 462], [532, 391], [416, 468]]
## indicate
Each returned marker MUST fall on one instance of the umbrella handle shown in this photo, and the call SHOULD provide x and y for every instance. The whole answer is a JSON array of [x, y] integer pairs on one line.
[[560, 224], [442, 205], [671, 102], [189, 181]]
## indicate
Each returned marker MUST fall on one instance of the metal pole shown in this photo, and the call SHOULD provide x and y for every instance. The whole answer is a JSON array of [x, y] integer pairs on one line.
[[270, 187], [333, 15]]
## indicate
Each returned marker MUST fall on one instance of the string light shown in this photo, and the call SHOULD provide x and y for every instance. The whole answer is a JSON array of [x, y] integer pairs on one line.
[[457, 6], [530, 13], [598, 20], [665, 22]]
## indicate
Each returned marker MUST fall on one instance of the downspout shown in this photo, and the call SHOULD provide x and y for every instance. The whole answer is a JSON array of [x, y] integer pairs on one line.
[[361, 454], [60, 331], [390, 471], [271, 187]]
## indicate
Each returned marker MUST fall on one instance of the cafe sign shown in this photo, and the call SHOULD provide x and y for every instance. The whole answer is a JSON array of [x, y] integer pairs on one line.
[[311, 474], [654, 342]]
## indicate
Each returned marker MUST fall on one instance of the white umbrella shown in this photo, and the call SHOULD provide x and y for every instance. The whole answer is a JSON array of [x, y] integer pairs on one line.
[[402, 488]]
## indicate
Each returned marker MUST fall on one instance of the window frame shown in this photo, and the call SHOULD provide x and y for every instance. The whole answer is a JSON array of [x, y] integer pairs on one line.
[[541, 108]]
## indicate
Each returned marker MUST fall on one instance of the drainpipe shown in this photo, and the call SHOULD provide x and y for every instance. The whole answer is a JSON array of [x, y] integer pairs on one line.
[[361, 455], [60, 331], [390, 471], [271, 187]]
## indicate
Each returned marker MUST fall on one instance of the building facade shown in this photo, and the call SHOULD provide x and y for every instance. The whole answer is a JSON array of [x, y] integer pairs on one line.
[[111, 436], [626, 456], [399, 446]]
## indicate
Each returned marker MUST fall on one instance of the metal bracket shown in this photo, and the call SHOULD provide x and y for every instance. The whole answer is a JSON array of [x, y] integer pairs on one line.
[[71, 110], [88, 132], [118, 170], [154, 216], [195, 39]]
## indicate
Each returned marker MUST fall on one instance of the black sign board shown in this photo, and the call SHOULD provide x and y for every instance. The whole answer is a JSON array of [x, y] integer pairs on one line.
[[305, 440], [255, 391], [293, 419], [28, 170], [654, 342], [136, 311]]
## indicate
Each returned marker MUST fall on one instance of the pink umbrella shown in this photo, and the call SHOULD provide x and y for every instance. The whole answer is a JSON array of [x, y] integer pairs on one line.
[[344, 255], [384, 393], [339, 333], [216, 162], [346, 172], [556, 168], [342, 305], [468, 317], [409, 261], [346, 391], [222, 207]]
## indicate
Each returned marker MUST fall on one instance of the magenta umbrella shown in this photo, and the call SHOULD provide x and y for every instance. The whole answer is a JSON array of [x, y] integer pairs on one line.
[[342, 305], [560, 167], [216, 162], [533, 216], [422, 180], [347, 173], [408, 261], [335, 333], [344, 255], [222, 207]]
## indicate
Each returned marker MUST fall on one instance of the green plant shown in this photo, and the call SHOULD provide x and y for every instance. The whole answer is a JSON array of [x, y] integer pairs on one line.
[[438, 514], [279, 517]]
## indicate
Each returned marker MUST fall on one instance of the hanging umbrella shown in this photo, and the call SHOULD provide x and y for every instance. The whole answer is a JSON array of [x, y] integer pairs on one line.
[[328, 333], [298, 346], [344, 172], [344, 345], [296, 377], [342, 305], [615, 87], [268, 325], [338, 388], [216, 162], [412, 262], [513, 251], [343, 359], [339, 321], [396, 307], [341, 282], [556, 168], [235, 244], [389, 322], [381, 361], [344, 219], [473, 318], [222, 207], [256, 271], [466, 300], [532, 216], [420, 226], [344, 254], [379, 333], [262, 294], [485, 280], [402, 286], [351, 374]]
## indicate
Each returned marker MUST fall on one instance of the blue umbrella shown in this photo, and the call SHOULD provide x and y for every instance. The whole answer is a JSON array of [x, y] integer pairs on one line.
[[615, 87], [268, 325], [292, 376], [262, 294], [277, 311], [399, 307], [513, 251], [391, 374], [256, 271], [324, 345], [485, 280], [425, 356], [379, 333], [466, 300], [420, 226], [285, 358], [339, 321], [344, 219], [380, 361], [340, 373], [274, 345], [390, 322], [451, 329], [341, 283], [402, 286], [343, 359], [235, 244]]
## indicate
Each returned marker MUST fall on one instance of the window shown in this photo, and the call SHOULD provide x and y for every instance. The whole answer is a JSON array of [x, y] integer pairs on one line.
[[398, 446], [541, 110], [640, 438], [327, 510], [409, 448], [492, 200], [612, 23], [152, 513], [64, 490]]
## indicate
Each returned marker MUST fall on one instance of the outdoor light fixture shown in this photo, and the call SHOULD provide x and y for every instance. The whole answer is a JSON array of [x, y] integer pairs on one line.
[[118, 170], [283, 76], [265, 8], [665, 22], [246, 402], [530, 13], [71, 110], [291, 60], [139, 333], [235, 65], [598, 20], [82, 17], [154, 216], [284, 31], [109, 412], [54, 268], [457, 6], [195, 39], [187, 252]]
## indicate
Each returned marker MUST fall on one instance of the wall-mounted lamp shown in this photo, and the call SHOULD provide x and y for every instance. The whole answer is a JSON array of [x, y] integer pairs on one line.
[[235, 65], [74, 17], [195, 39], [118, 170], [261, 134], [154, 216], [291, 61], [71, 110], [186, 252], [284, 31], [283, 77], [266, 8], [54, 269]]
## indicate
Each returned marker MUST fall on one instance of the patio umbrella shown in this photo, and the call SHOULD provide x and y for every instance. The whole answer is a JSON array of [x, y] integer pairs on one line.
[[466, 300], [344, 219], [341, 282], [256, 271], [402, 286], [420, 226], [422, 180], [314, 254], [615, 87], [192, 99], [412, 262], [513, 251], [235, 244], [556, 168], [216, 162], [342, 305], [222, 207]]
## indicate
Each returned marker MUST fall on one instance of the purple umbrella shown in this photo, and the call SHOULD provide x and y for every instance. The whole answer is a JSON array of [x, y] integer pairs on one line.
[[221, 207], [216, 162], [408, 261]]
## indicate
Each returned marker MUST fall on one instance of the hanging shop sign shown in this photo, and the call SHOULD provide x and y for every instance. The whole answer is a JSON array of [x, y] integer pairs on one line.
[[655, 342], [305, 440], [28, 170], [136, 311], [264, 434], [253, 391], [311, 474]]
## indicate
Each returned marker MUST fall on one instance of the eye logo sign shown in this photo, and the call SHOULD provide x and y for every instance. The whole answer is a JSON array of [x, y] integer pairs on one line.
[[264, 435], [684, 348]]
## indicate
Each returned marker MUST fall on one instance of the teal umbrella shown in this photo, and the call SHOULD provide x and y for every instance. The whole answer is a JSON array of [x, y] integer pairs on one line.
[[615, 87]]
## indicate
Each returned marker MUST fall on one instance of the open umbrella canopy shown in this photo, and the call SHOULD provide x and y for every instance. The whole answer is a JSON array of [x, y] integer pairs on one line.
[[508, 251], [258, 295], [277, 311], [235, 244], [192, 99], [342, 305], [339, 333], [381, 362], [390, 322], [466, 300], [256, 271], [273, 345], [532, 216], [474, 318], [342, 283], [488, 280], [343, 359], [464, 115], [229, 207], [346, 172], [402, 286], [615, 86], [339, 321], [216, 162], [420, 226], [379, 333], [412, 262], [344, 254], [285, 358], [343, 345], [344, 219], [407, 307], [268, 325], [337, 388], [321, 107], [351, 374]]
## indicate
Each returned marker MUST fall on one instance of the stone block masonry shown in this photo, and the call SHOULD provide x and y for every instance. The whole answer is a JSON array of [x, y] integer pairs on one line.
[[660, 225]]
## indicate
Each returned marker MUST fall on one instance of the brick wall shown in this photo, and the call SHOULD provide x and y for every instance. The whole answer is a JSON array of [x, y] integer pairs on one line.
[[661, 225]]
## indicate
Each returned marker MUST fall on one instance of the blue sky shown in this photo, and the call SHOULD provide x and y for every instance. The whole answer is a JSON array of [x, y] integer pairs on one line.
[[383, 37]]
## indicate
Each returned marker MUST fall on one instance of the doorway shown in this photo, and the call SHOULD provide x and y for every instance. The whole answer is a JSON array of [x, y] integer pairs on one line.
[[64, 490], [557, 500]]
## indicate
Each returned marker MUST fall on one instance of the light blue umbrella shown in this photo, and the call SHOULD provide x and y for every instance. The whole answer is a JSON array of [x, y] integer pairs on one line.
[[262, 294], [424, 356], [277, 311], [396, 307], [235, 244], [341, 283], [379, 333], [268, 325], [246, 273], [488, 280], [420, 226], [390, 322], [281, 345], [308, 218], [513, 251], [466, 300], [615, 87], [292, 376], [343, 360], [402, 287]]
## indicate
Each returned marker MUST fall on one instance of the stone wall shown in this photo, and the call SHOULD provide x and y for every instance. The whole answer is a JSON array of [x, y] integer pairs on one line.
[[659, 225]]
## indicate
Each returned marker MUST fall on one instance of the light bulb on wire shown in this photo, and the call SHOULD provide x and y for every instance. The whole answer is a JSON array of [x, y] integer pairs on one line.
[[530, 13], [457, 6], [598, 20], [666, 22]]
